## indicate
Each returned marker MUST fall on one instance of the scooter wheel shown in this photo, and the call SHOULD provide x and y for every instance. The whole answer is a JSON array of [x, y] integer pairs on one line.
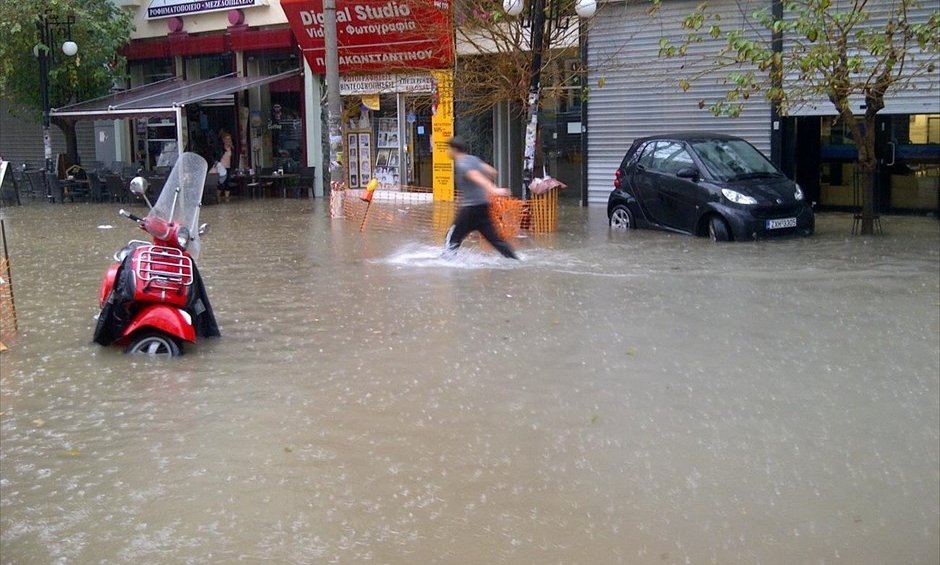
[[154, 344]]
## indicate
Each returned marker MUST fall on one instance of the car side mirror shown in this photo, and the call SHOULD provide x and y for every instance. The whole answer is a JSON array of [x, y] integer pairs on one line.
[[690, 173]]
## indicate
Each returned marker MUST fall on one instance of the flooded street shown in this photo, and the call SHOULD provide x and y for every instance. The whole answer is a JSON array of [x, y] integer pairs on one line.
[[615, 398]]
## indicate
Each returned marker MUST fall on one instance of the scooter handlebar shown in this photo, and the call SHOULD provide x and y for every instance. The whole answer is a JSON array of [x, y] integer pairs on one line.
[[127, 214]]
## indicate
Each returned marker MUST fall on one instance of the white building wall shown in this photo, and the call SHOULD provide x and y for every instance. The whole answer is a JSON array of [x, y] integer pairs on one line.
[[267, 14]]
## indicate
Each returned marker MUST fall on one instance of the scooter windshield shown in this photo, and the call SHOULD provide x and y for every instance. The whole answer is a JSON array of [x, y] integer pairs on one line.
[[181, 197]]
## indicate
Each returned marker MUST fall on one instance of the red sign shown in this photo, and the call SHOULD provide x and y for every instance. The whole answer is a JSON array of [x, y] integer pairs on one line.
[[377, 35]]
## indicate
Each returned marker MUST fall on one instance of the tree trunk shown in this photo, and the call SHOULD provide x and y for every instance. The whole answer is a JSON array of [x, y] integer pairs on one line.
[[67, 127], [863, 133], [868, 163]]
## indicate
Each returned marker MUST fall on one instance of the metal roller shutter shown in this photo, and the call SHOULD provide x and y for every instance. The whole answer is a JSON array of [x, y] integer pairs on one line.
[[921, 95], [21, 137], [633, 93]]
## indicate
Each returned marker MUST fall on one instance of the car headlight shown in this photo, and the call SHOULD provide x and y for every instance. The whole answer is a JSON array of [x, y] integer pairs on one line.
[[737, 197], [182, 237], [798, 194]]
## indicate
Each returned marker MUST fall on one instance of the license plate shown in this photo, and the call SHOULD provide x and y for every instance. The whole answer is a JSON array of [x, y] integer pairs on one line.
[[781, 223]]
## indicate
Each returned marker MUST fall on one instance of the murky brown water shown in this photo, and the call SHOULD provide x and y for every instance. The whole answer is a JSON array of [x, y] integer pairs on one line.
[[617, 398]]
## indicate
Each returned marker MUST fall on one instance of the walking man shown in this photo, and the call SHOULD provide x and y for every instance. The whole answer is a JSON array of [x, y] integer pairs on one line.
[[474, 180]]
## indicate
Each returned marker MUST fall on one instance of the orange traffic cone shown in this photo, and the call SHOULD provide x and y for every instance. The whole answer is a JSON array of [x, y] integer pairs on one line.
[[367, 197], [370, 189]]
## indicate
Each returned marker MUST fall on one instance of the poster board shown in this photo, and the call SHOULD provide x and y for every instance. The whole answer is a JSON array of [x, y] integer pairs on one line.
[[387, 158], [358, 158]]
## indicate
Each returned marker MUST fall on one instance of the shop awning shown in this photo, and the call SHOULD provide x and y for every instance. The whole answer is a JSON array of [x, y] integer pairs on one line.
[[164, 98]]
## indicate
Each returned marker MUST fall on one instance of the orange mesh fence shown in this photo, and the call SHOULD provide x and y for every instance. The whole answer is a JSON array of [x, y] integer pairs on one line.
[[413, 208], [7, 311], [507, 216]]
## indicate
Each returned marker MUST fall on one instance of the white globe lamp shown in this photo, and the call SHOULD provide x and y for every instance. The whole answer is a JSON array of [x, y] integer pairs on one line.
[[70, 48], [585, 8], [513, 7]]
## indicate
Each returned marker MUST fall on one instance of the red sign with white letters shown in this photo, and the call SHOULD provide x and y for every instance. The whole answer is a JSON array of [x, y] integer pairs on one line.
[[376, 35]]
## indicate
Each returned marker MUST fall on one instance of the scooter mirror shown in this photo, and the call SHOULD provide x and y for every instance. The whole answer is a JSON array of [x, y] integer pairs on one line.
[[139, 185], [203, 229]]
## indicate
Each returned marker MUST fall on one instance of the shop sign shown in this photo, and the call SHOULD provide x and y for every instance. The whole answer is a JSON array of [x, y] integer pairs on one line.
[[357, 85], [378, 35], [169, 8]]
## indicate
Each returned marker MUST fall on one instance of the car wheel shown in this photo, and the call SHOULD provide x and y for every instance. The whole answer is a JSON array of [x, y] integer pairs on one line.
[[718, 229], [155, 345], [621, 218]]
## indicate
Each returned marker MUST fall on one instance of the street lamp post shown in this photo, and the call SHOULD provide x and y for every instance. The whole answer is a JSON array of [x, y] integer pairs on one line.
[[46, 55], [540, 13]]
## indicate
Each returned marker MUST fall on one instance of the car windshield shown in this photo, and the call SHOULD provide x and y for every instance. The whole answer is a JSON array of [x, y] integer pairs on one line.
[[734, 159]]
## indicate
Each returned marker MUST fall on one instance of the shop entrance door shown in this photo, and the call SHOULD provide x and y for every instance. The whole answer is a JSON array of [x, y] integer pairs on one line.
[[909, 154], [418, 140]]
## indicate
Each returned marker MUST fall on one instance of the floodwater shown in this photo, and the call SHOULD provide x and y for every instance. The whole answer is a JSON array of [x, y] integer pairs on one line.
[[615, 398]]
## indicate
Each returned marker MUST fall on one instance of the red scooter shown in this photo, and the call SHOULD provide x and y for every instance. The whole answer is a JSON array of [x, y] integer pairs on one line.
[[152, 298]]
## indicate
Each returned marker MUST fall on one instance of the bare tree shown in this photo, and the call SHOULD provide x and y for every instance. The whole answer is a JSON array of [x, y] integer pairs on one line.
[[495, 62]]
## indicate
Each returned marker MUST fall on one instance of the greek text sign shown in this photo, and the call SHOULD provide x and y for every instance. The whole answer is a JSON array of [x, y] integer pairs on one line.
[[385, 84], [169, 8], [376, 35]]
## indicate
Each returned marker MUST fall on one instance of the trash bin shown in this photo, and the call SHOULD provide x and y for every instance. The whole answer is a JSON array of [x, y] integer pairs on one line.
[[543, 204]]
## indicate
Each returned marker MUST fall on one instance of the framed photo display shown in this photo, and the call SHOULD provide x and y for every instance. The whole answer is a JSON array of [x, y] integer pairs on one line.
[[358, 158]]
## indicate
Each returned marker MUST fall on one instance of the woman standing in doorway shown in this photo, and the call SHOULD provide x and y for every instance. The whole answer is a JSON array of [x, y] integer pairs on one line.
[[224, 162]]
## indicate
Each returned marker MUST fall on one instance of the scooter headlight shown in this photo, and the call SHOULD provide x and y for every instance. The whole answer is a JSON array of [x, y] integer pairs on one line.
[[182, 237]]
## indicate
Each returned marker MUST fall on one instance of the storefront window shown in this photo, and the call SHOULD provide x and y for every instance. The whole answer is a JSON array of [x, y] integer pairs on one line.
[[274, 118], [908, 151], [215, 66], [837, 168], [388, 136], [561, 125], [912, 162], [286, 129], [150, 70]]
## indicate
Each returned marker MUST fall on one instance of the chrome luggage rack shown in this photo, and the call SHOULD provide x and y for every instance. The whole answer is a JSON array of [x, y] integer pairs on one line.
[[164, 268]]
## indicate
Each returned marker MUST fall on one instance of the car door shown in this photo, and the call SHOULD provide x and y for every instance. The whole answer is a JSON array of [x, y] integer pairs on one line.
[[645, 180], [668, 200], [679, 196]]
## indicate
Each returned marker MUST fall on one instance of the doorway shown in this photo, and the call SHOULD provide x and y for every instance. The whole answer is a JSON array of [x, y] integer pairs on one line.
[[418, 166]]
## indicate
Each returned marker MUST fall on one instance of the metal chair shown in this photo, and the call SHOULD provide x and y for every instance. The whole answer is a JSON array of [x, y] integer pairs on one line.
[[56, 191], [308, 177], [155, 187], [37, 183], [94, 167], [114, 187], [130, 171], [96, 188], [210, 191], [10, 191]]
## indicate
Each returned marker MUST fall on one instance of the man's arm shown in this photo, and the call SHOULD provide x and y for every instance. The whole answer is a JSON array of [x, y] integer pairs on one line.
[[481, 179], [489, 170]]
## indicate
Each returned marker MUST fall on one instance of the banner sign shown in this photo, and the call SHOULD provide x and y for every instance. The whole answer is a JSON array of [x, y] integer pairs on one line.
[[376, 35], [170, 8], [442, 129], [351, 85]]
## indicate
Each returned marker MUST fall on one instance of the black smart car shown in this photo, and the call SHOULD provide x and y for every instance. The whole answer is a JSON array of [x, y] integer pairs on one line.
[[706, 184]]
